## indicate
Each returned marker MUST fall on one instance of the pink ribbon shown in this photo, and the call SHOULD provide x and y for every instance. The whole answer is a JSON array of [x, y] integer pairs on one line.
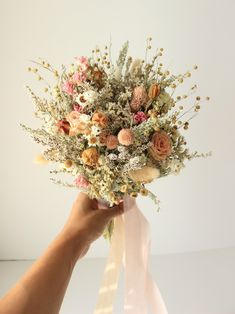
[[130, 244]]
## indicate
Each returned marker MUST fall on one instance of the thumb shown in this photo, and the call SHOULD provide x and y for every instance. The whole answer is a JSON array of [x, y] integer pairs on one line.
[[116, 210]]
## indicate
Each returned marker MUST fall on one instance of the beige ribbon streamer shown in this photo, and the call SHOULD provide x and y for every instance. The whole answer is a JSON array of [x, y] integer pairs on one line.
[[130, 243], [109, 283]]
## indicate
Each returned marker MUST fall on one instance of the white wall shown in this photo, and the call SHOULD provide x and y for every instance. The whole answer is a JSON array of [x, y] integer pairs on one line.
[[197, 207], [192, 283]]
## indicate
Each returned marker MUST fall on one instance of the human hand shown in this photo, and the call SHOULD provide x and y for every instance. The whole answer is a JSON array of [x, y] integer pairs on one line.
[[88, 220]]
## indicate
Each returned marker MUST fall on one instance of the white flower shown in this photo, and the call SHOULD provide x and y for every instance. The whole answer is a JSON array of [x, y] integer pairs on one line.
[[176, 166], [84, 117], [136, 162], [121, 149], [112, 156], [87, 98], [95, 130]]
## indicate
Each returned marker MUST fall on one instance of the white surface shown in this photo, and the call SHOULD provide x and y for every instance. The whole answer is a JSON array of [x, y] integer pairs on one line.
[[197, 207], [192, 283]]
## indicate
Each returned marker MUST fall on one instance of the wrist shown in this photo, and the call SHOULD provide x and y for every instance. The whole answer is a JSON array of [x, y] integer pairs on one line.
[[76, 240]]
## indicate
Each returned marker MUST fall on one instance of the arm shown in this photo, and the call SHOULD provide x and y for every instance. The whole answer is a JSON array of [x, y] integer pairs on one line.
[[41, 290]]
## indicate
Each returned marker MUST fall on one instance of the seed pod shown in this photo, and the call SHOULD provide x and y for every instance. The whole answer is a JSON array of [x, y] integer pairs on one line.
[[68, 163]]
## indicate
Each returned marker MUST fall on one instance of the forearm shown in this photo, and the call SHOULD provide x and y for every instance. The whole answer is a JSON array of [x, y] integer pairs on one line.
[[42, 288]]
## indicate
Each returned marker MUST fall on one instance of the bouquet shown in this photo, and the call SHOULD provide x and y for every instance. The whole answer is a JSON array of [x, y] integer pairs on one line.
[[115, 127]]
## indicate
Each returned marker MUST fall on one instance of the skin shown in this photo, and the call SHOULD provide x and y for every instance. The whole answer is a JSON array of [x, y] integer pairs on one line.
[[42, 288]]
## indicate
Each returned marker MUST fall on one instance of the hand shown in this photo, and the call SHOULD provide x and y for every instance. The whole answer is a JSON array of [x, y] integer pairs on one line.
[[88, 220]]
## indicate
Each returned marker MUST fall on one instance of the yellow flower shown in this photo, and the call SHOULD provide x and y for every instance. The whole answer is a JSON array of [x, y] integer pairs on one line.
[[68, 163], [90, 156], [134, 194], [144, 192], [123, 188]]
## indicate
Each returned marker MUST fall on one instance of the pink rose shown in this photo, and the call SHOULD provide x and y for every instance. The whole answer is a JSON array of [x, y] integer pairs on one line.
[[68, 87], [83, 62], [139, 98], [140, 117], [79, 77], [126, 137], [82, 182], [63, 126], [111, 141], [161, 146], [77, 107]]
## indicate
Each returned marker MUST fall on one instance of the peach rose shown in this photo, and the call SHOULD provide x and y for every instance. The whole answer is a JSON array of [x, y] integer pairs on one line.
[[161, 146], [111, 141], [82, 127], [139, 98], [100, 119], [126, 137], [90, 156], [73, 118]]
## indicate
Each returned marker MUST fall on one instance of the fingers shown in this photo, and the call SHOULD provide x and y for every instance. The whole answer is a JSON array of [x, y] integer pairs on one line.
[[101, 207], [115, 210]]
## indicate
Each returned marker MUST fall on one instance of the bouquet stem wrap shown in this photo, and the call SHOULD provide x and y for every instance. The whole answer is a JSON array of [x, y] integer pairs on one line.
[[131, 245]]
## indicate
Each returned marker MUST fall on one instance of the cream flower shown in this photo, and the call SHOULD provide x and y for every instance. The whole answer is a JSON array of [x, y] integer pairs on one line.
[[145, 174]]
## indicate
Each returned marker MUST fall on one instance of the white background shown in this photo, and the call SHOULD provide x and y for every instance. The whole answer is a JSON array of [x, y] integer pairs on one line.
[[197, 208]]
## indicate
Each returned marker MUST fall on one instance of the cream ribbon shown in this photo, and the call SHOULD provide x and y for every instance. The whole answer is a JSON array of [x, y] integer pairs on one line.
[[131, 244]]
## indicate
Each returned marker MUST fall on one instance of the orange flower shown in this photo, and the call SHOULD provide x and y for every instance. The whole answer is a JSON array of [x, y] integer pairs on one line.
[[90, 156], [126, 137], [111, 141], [92, 140], [100, 119], [161, 145], [154, 91], [103, 137]]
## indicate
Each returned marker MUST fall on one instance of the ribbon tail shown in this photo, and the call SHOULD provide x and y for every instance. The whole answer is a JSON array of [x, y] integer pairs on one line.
[[111, 275], [130, 243], [140, 289], [154, 297]]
